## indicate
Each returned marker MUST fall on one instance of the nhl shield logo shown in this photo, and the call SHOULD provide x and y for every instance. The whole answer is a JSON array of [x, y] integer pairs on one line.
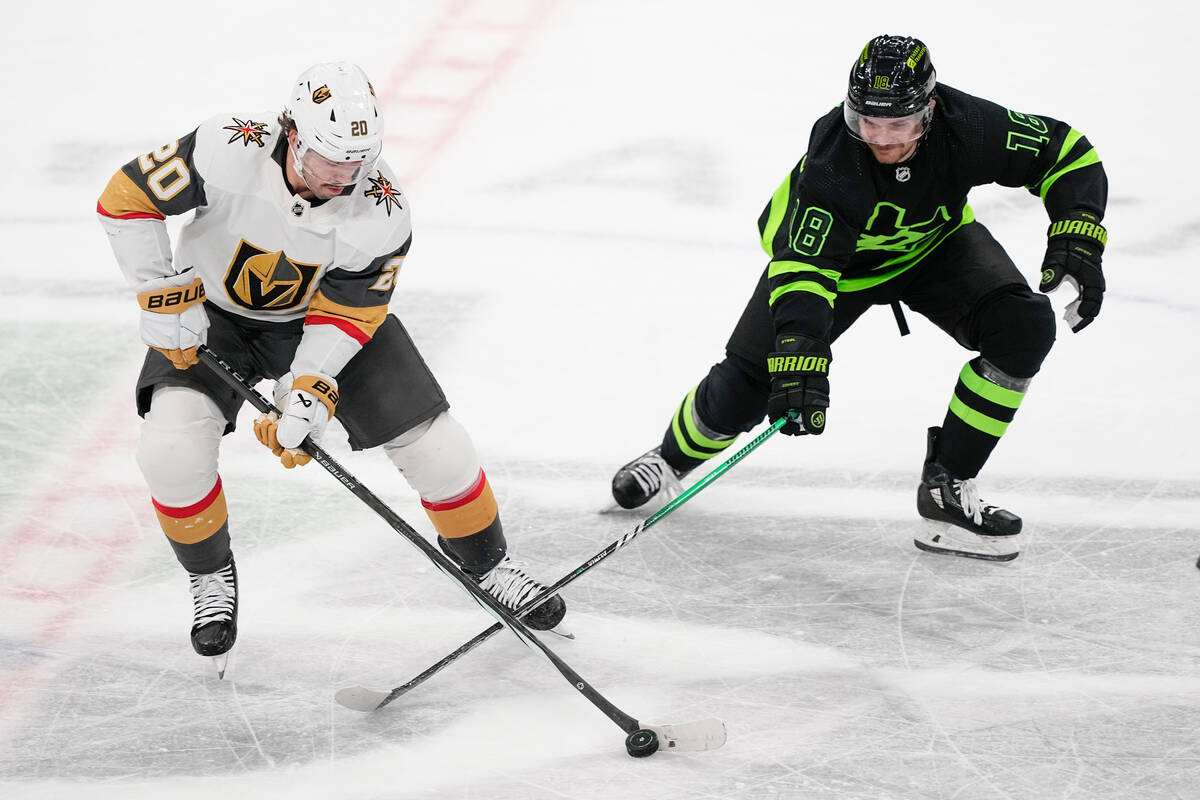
[[903, 174]]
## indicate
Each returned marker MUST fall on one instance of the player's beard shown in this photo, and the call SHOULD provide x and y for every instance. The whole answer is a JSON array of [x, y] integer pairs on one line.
[[894, 153]]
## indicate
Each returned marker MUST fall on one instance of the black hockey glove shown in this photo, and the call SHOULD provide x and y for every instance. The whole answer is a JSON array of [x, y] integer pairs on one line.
[[1073, 254], [799, 370]]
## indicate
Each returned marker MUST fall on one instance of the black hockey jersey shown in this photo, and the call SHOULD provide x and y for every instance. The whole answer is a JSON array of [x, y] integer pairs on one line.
[[843, 222]]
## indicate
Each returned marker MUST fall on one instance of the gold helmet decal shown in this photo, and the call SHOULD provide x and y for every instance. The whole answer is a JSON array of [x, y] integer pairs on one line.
[[321, 94], [267, 281], [372, 88]]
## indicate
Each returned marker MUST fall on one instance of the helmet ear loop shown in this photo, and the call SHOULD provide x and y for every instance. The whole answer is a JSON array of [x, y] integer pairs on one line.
[[297, 159], [926, 121]]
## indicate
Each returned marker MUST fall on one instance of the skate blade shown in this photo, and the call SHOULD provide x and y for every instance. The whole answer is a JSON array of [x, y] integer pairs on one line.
[[221, 662], [562, 630], [944, 538], [613, 508], [649, 508]]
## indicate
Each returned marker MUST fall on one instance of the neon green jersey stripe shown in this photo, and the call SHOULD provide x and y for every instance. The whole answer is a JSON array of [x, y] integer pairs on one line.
[[779, 204], [777, 268], [802, 286], [982, 422], [988, 390], [1086, 160]]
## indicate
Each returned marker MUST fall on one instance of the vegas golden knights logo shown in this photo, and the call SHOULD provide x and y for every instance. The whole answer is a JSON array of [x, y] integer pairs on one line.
[[321, 94], [267, 281]]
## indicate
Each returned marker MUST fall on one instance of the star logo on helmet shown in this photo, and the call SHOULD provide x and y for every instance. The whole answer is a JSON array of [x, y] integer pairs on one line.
[[383, 192], [247, 132]]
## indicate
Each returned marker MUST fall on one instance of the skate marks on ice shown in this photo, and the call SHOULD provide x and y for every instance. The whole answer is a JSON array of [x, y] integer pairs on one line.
[[1086, 643], [844, 662]]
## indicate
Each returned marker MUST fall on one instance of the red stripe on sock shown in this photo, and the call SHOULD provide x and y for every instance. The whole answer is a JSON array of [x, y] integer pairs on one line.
[[461, 500]]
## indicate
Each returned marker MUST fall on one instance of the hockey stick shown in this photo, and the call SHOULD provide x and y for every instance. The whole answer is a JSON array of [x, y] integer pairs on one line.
[[361, 698], [642, 740]]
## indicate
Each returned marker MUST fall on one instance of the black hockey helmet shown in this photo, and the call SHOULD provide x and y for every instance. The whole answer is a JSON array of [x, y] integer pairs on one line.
[[893, 77]]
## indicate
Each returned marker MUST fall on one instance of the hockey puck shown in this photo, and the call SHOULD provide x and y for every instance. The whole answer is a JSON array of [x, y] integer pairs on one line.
[[642, 743]]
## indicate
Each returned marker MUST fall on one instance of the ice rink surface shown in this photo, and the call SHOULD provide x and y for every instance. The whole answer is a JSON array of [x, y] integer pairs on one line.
[[585, 179]]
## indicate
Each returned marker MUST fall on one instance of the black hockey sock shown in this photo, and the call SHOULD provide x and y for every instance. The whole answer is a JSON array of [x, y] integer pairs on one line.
[[205, 556], [479, 552], [979, 414], [688, 442]]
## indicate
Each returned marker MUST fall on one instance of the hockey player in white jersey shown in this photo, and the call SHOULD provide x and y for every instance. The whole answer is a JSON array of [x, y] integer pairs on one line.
[[286, 270]]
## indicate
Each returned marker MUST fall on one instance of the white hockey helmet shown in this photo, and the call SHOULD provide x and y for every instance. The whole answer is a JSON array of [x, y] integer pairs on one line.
[[339, 130]]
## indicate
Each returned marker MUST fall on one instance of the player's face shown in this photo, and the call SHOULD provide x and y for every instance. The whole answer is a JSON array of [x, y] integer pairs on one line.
[[319, 176], [890, 139], [328, 178]]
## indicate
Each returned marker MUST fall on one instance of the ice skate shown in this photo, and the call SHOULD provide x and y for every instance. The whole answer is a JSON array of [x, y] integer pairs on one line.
[[509, 583], [215, 606], [646, 477], [960, 522]]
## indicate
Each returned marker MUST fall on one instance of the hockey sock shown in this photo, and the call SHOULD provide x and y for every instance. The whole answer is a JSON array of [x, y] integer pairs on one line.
[[688, 442], [198, 533], [468, 526], [985, 401]]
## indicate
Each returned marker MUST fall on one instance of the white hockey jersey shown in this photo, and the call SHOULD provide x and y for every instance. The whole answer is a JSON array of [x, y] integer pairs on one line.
[[262, 251]]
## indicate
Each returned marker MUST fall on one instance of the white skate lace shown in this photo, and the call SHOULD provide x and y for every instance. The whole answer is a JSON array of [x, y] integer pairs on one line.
[[655, 475], [969, 500], [508, 583], [213, 596]]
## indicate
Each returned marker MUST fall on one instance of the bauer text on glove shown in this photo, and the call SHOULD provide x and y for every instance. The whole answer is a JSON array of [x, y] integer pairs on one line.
[[1073, 253], [799, 369], [173, 320]]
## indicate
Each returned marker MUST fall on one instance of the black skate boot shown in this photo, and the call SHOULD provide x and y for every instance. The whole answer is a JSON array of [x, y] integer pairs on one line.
[[982, 530], [215, 606], [511, 585], [645, 477]]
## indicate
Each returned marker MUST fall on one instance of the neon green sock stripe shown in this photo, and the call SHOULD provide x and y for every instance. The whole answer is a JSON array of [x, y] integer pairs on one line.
[[982, 422], [988, 390], [682, 441], [689, 421]]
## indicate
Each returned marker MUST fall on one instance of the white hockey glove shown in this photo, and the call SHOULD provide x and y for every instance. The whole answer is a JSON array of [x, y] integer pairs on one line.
[[307, 403], [174, 321]]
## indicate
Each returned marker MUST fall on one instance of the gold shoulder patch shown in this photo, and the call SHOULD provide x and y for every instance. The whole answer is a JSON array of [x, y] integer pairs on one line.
[[247, 131], [384, 193]]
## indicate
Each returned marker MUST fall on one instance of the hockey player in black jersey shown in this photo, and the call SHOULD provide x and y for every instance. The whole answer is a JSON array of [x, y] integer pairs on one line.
[[876, 213]]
